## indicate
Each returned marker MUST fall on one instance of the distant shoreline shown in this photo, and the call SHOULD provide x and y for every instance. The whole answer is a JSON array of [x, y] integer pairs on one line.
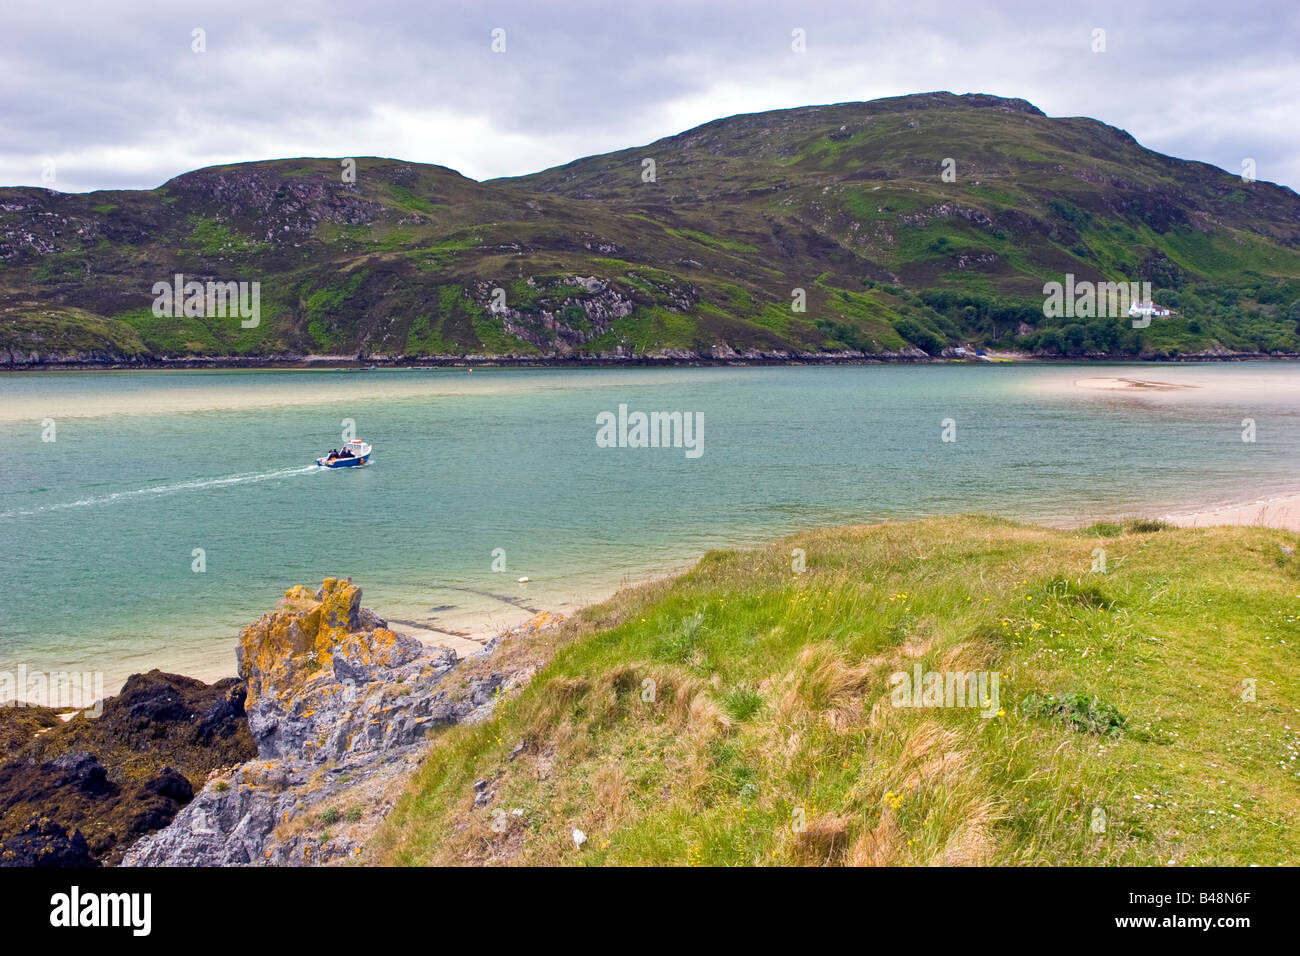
[[327, 363]]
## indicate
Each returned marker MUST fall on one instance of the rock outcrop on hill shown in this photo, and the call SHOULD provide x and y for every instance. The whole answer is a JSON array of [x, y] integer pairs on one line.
[[337, 703]]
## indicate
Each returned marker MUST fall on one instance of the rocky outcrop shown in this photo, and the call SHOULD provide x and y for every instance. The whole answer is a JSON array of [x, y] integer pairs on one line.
[[42, 842], [336, 701], [279, 206], [18, 725], [564, 312], [79, 793], [36, 358]]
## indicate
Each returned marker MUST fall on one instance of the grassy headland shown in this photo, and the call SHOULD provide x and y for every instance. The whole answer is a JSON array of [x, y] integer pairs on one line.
[[1123, 733]]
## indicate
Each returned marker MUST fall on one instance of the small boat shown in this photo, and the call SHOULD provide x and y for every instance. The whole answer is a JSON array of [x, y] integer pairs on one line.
[[358, 453]]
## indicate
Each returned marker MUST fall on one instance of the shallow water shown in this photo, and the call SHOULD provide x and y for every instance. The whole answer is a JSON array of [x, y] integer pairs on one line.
[[100, 525]]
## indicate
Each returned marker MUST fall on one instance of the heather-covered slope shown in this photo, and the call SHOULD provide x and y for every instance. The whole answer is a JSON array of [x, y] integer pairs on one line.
[[845, 202]]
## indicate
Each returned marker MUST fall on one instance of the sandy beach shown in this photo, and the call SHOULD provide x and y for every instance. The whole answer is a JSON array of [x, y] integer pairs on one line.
[[469, 633], [1281, 512], [1117, 384], [468, 630]]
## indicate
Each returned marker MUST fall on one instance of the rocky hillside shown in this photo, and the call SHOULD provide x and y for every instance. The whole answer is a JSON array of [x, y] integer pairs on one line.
[[691, 246]]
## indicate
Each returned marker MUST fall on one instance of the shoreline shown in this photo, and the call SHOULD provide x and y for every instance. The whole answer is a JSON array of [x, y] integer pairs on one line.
[[1279, 512], [470, 631], [680, 360], [467, 634]]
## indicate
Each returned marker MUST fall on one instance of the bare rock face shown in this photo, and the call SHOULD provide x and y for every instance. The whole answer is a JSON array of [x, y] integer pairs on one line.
[[334, 697]]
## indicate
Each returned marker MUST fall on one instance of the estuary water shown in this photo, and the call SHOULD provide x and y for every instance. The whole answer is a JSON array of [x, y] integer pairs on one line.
[[146, 516]]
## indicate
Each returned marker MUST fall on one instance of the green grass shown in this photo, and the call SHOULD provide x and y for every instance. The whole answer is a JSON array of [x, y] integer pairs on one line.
[[425, 337], [393, 241], [174, 336], [61, 267], [326, 303], [713, 242], [743, 714], [439, 255], [65, 330], [648, 329], [212, 238], [202, 336], [487, 331], [404, 198]]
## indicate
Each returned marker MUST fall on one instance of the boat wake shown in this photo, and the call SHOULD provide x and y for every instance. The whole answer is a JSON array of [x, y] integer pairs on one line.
[[196, 484]]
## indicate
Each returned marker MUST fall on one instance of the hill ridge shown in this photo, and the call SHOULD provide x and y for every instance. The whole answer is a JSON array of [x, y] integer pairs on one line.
[[906, 227]]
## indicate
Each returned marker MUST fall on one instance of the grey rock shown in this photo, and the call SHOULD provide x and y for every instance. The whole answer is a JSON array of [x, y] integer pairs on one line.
[[356, 721]]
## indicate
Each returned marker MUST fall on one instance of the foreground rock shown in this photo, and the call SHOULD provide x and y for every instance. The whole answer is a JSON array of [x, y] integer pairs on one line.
[[338, 704], [79, 793]]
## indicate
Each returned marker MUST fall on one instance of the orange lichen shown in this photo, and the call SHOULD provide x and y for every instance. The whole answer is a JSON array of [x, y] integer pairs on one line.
[[285, 649]]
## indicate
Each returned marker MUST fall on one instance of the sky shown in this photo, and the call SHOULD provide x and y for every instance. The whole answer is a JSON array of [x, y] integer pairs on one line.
[[116, 95]]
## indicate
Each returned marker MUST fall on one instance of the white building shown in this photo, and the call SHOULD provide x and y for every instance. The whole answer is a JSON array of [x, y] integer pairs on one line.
[[1148, 309]]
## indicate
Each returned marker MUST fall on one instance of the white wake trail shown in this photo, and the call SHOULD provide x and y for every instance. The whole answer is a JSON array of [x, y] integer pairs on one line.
[[168, 489]]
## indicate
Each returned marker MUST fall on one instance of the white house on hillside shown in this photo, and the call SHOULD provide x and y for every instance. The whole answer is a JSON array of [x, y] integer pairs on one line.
[[1148, 309]]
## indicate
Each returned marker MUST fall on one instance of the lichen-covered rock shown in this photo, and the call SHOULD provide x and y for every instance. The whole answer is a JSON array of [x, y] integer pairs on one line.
[[334, 697], [328, 679]]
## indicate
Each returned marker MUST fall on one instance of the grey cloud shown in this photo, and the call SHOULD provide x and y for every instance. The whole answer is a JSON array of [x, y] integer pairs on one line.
[[115, 94]]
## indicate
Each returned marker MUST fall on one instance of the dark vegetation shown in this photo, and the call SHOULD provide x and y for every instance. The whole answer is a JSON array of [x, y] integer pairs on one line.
[[78, 793]]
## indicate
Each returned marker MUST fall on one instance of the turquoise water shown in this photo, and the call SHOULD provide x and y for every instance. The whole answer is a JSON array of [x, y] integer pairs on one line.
[[99, 526]]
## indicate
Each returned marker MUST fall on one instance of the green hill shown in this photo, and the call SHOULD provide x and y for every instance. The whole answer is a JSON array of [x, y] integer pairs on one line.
[[745, 712], [844, 202]]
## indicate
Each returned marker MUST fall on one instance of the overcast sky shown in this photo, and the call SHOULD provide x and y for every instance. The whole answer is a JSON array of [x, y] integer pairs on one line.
[[115, 96]]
